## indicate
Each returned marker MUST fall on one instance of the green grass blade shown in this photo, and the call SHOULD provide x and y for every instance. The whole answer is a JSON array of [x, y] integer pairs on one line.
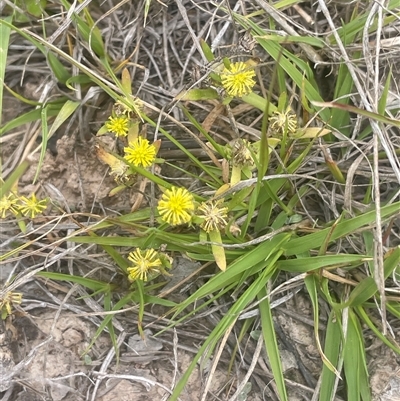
[[4, 41], [366, 319], [59, 70], [248, 296], [302, 265], [384, 96], [312, 284], [362, 112], [357, 24], [66, 110], [355, 364], [333, 341], [363, 291], [351, 361], [107, 319], [94, 285], [254, 258], [28, 117], [391, 262], [271, 344], [45, 137], [312, 241], [7, 185]]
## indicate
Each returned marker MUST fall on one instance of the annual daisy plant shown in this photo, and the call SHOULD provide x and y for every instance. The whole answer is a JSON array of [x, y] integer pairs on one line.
[[246, 216]]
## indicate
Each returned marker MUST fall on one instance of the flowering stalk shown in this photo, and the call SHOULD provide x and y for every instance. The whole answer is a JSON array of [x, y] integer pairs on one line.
[[213, 218]]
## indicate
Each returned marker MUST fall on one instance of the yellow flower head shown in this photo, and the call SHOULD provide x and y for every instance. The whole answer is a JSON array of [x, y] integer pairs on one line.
[[119, 125], [8, 203], [7, 301], [284, 121], [144, 262], [140, 153], [214, 216], [238, 79], [31, 207], [176, 206]]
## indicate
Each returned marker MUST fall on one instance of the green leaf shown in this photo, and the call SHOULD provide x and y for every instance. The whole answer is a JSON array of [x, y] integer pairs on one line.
[[45, 138], [351, 361], [311, 284], [271, 344], [333, 341], [312, 41], [7, 185], [197, 94], [355, 364], [254, 259], [377, 331], [229, 318], [59, 70], [4, 40], [302, 265], [30, 116], [315, 240], [384, 96], [363, 291], [104, 325], [357, 110], [92, 284], [207, 51], [391, 262]]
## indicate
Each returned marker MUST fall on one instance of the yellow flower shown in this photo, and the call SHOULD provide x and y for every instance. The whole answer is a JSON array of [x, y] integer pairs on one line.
[[140, 153], [119, 126], [176, 206], [6, 302], [143, 262], [31, 207], [8, 203], [238, 79], [214, 216], [284, 121]]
